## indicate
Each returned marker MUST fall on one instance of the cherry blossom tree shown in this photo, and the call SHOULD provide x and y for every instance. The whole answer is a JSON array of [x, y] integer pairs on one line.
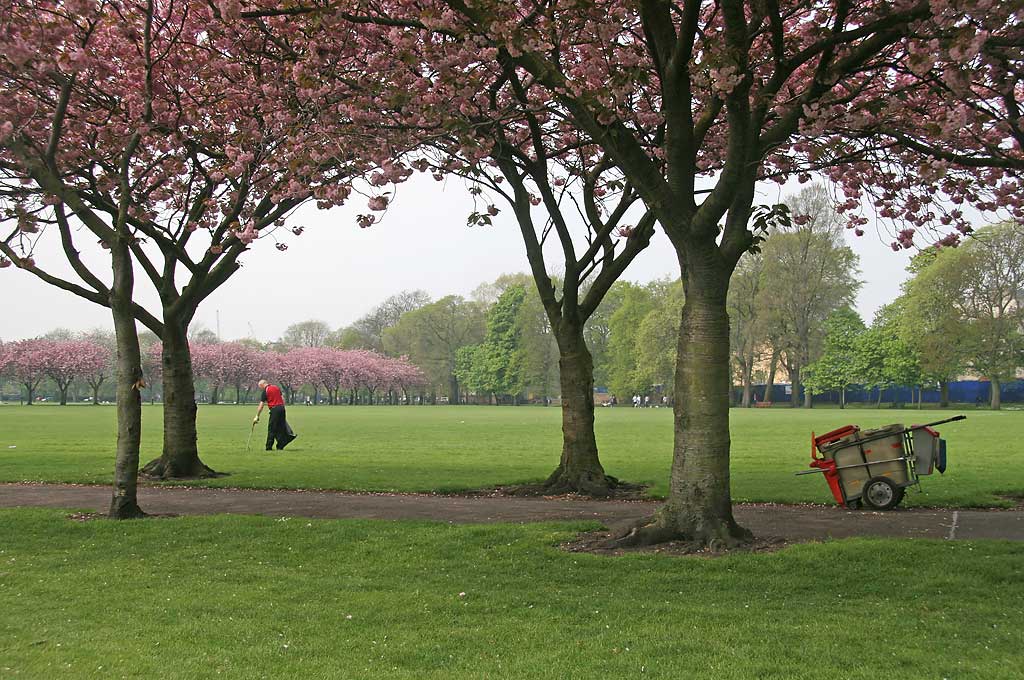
[[153, 369], [202, 132], [66, 360], [696, 103], [204, 366], [399, 374], [229, 363], [26, 360], [512, 150], [373, 371], [334, 370], [97, 372], [285, 370], [243, 367], [302, 368], [5, 358]]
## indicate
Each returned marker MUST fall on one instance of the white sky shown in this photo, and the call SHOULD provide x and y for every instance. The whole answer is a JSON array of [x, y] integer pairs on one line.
[[337, 272]]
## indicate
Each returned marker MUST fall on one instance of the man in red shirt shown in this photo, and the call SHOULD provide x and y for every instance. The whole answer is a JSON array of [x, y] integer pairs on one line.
[[277, 428]]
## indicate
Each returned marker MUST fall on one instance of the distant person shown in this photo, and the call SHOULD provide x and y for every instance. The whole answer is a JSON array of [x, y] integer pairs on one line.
[[277, 427], [977, 401], [647, 401]]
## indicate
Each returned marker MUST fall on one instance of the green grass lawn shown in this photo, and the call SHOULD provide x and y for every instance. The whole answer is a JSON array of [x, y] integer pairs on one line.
[[449, 448], [251, 597]]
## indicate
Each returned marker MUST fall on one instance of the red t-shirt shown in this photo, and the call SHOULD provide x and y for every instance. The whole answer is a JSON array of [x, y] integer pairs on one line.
[[272, 395]]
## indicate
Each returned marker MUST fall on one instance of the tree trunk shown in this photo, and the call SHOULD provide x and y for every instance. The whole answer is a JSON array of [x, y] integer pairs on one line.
[[96, 394], [453, 390], [769, 385], [124, 502], [808, 398], [996, 398], [842, 397], [747, 369], [794, 387], [31, 392], [180, 457], [579, 469], [878, 404], [943, 393], [699, 506], [63, 393]]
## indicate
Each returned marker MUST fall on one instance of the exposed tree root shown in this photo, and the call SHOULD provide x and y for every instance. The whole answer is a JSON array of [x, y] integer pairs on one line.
[[121, 508], [715, 536], [585, 483], [162, 468]]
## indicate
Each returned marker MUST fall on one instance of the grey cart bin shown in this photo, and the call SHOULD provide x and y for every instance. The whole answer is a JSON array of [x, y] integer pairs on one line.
[[875, 467]]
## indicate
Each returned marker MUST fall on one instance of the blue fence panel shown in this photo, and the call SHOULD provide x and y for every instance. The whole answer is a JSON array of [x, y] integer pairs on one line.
[[962, 391]]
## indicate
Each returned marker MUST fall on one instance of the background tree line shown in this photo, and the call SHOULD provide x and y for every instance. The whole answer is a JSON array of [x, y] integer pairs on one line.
[[961, 312], [790, 308]]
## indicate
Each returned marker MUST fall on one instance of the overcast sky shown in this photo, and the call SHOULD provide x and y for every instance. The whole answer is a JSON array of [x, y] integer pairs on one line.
[[336, 271]]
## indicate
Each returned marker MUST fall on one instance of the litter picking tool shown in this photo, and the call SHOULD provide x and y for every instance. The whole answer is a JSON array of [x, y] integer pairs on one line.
[[875, 467], [249, 440]]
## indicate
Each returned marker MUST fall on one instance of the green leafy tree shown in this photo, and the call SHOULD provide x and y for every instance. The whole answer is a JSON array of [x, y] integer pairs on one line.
[[930, 325], [657, 338], [883, 358], [310, 333], [598, 331], [809, 272], [538, 348], [494, 366], [836, 369], [432, 335], [348, 337], [470, 368], [966, 303], [747, 332], [624, 324], [368, 331]]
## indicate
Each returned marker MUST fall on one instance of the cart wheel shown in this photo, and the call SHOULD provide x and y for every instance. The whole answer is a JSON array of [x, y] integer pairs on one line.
[[901, 491], [881, 494]]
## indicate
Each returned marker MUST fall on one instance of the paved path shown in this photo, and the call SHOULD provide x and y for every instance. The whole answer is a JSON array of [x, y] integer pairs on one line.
[[791, 522]]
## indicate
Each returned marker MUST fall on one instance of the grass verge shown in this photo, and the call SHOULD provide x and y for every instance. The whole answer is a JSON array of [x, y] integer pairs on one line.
[[250, 597], [454, 448]]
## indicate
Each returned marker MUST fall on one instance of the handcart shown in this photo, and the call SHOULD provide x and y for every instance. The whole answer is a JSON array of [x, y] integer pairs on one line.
[[875, 467]]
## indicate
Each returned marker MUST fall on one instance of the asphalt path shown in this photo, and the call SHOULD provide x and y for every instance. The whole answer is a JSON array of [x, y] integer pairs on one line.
[[789, 522]]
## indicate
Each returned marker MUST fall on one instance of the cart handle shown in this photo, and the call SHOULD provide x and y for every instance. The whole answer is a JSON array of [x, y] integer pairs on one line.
[[938, 422], [883, 435]]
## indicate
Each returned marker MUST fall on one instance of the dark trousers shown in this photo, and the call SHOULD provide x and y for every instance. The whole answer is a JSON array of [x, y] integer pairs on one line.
[[278, 429]]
